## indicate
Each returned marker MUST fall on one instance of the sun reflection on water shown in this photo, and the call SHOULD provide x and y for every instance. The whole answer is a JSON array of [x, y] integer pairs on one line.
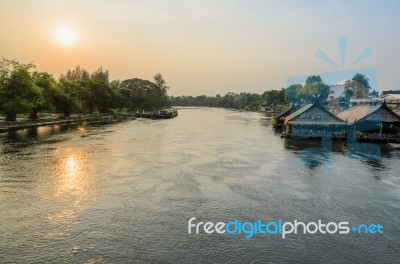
[[71, 167], [72, 184], [74, 175]]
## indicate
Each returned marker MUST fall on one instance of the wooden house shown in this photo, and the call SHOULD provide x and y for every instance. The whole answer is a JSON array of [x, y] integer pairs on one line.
[[372, 119], [314, 121]]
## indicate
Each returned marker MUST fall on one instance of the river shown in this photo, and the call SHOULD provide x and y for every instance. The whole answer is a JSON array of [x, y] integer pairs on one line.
[[124, 193]]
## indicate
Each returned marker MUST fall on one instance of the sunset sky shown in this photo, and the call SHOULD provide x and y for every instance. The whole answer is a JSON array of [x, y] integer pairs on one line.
[[205, 46]]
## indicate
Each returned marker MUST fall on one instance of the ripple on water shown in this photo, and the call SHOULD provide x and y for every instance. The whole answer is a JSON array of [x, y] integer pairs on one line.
[[124, 193]]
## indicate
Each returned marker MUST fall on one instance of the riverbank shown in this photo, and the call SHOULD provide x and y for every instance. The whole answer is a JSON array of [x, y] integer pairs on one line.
[[54, 120]]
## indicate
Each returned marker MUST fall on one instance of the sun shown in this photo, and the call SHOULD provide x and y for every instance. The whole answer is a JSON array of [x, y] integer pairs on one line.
[[65, 36]]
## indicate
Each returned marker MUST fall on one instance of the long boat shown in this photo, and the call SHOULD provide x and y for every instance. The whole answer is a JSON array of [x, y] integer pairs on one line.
[[159, 114]]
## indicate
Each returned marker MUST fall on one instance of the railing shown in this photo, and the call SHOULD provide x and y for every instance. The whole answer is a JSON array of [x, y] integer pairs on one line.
[[317, 133], [380, 137]]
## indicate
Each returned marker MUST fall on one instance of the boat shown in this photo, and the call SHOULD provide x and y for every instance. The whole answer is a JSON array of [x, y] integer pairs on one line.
[[165, 113], [158, 114]]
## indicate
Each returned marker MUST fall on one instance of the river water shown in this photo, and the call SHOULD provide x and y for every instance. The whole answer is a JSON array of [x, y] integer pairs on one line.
[[123, 193]]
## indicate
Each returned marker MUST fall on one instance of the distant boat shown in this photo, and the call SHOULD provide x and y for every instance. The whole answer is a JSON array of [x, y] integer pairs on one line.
[[159, 114], [165, 113]]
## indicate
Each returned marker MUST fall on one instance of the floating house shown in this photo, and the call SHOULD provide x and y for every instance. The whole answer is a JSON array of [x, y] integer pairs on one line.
[[372, 119], [279, 120], [314, 121]]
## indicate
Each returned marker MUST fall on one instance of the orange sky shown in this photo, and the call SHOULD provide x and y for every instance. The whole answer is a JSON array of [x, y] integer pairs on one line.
[[203, 47]]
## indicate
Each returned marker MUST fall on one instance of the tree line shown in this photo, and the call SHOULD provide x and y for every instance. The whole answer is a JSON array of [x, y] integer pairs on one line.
[[246, 101], [299, 94], [23, 90]]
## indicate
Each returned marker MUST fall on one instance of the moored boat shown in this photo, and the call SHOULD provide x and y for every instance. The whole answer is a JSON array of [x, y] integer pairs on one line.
[[159, 114], [165, 113]]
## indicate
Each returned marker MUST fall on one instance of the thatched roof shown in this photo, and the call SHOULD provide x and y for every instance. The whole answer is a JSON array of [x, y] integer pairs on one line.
[[333, 119], [286, 112], [361, 112]]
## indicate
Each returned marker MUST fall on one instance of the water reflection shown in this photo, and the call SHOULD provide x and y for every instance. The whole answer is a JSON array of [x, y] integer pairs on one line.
[[364, 151], [72, 166], [73, 175], [314, 152], [315, 157], [34, 132], [82, 129], [63, 215]]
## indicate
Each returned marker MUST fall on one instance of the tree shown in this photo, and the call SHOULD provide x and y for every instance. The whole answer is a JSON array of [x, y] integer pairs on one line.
[[75, 84], [246, 101], [100, 93], [77, 74], [313, 79], [362, 80], [274, 97], [124, 98], [23, 91], [348, 93], [66, 100], [100, 75], [92, 91], [99, 98], [315, 86], [161, 84], [19, 94], [145, 94], [292, 92], [49, 89], [359, 85]]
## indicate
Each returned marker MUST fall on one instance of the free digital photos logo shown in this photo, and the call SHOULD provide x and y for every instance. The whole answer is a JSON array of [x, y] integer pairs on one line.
[[281, 228]]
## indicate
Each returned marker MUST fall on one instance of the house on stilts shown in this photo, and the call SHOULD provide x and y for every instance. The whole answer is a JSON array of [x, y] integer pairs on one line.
[[372, 122], [314, 121]]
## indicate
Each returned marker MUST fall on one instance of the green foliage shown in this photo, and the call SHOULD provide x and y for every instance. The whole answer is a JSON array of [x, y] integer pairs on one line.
[[67, 99], [291, 93], [313, 79], [274, 97], [138, 94], [362, 80], [19, 94], [77, 74], [313, 88], [275, 122], [100, 75], [49, 90], [245, 101], [23, 91], [359, 86], [160, 84]]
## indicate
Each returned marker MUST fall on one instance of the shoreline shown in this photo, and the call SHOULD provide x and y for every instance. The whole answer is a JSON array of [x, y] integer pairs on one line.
[[91, 119]]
